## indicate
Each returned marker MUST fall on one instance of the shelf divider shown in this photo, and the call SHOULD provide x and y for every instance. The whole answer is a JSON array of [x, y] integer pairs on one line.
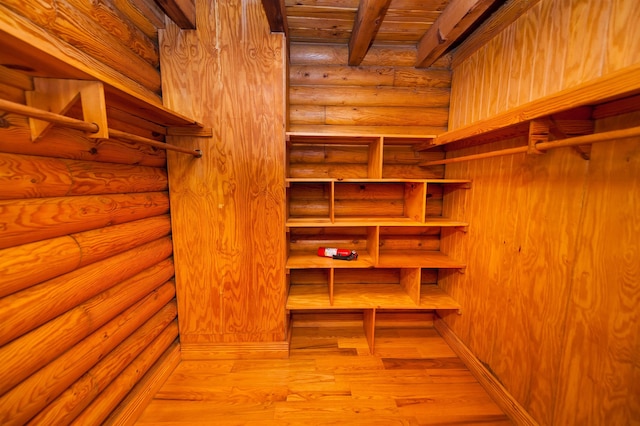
[[369, 321]]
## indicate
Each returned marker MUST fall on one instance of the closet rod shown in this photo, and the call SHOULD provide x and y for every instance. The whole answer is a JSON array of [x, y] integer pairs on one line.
[[40, 114], [544, 146], [73, 123], [128, 137]]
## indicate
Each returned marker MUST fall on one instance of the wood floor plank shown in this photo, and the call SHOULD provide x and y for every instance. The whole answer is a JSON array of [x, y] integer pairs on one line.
[[330, 378]]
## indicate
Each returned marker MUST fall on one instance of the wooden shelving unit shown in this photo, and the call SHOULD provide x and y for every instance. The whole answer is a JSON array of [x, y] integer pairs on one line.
[[370, 194]]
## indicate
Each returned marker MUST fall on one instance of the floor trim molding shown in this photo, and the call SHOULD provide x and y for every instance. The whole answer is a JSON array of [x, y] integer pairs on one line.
[[240, 350]]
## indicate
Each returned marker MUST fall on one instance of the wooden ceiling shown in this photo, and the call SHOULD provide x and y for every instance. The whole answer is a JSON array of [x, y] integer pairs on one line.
[[433, 26]]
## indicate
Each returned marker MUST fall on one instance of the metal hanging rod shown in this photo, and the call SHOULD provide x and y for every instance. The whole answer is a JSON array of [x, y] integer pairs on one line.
[[73, 123], [544, 146]]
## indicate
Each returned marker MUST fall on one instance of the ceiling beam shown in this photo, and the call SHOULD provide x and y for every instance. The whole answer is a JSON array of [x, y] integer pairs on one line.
[[182, 12], [275, 11], [368, 20], [455, 20]]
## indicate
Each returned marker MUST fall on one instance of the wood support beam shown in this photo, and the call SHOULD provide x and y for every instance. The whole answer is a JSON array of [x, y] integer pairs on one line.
[[538, 132], [456, 19], [275, 11], [368, 20], [182, 12], [58, 95]]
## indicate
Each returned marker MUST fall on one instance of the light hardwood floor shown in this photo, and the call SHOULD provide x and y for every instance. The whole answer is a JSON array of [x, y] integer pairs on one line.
[[413, 378]]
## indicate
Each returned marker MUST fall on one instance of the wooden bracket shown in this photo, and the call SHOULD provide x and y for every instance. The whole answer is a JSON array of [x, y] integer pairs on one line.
[[464, 229], [538, 132], [568, 128], [462, 270], [58, 95]]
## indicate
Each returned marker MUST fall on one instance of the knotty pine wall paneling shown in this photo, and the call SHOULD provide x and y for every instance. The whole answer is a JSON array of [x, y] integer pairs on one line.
[[550, 291], [385, 94], [556, 45], [228, 206], [87, 271]]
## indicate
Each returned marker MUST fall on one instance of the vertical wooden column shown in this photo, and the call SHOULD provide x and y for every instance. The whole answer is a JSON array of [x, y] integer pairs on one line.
[[228, 211]]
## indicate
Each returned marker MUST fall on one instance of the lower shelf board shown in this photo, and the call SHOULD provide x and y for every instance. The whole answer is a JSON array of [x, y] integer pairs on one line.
[[367, 296], [387, 259]]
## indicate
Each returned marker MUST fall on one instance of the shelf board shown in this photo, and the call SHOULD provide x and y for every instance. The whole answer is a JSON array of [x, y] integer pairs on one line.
[[367, 296], [372, 221], [382, 180], [417, 259], [306, 260]]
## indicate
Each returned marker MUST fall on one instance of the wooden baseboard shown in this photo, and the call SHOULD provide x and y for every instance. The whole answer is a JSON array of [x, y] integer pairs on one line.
[[494, 388], [134, 404], [240, 350]]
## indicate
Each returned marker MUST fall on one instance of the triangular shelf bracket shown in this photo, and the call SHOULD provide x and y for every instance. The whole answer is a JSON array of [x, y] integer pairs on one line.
[[58, 95]]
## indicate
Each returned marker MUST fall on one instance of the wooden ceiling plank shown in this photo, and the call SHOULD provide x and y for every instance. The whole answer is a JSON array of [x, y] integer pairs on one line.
[[368, 20], [456, 19], [276, 15], [182, 12]]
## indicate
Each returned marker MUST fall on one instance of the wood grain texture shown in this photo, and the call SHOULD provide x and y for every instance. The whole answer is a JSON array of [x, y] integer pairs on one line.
[[38, 177], [384, 93], [33, 394], [78, 396], [25, 221], [330, 378], [231, 282], [546, 55], [526, 259], [600, 358], [27, 309], [65, 143], [25, 355], [28, 264], [117, 394]]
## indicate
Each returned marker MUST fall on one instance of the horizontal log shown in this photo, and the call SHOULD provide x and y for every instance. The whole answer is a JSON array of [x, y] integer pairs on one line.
[[32, 395], [412, 172], [106, 408], [342, 75], [427, 97], [25, 310], [26, 221], [101, 243], [25, 355], [430, 77], [386, 116], [77, 397], [37, 177], [66, 143], [368, 130], [307, 114], [430, 242], [28, 264], [106, 16], [335, 170], [144, 15], [334, 54], [65, 23], [16, 79], [352, 154]]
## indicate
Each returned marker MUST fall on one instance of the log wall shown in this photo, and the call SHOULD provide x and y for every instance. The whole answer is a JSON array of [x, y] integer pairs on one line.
[[385, 94], [113, 41], [228, 207], [87, 296], [551, 290]]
